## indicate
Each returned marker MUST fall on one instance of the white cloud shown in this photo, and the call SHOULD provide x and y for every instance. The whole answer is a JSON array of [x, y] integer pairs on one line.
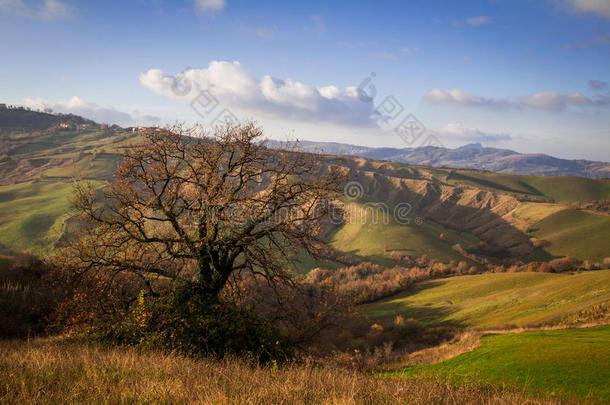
[[553, 101], [384, 55], [44, 10], [588, 43], [459, 97], [317, 24], [601, 7], [458, 133], [473, 21], [479, 20], [236, 88], [92, 111], [408, 51], [209, 6], [348, 44], [11, 6], [264, 33], [54, 9], [544, 100], [598, 85]]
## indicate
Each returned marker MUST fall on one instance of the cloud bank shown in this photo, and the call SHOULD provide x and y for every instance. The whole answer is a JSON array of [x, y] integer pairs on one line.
[[236, 88], [459, 133], [544, 100], [473, 21], [588, 43], [45, 10], [209, 6], [598, 85], [479, 20], [91, 111], [600, 7], [461, 98]]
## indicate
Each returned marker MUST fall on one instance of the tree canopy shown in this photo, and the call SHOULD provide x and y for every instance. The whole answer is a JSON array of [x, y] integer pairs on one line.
[[198, 206]]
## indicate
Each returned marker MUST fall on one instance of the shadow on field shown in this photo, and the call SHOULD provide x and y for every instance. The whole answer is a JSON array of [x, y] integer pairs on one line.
[[428, 315]]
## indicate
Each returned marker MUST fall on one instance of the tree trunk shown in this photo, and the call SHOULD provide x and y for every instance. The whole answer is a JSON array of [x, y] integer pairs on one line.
[[212, 280]]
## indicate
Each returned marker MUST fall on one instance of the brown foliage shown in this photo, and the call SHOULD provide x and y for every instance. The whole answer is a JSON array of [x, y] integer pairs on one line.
[[367, 282], [302, 312], [187, 205], [545, 268], [28, 296], [565, 264]]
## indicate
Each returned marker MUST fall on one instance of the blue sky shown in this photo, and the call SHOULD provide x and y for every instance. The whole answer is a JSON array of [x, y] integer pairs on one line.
[[527, 75]]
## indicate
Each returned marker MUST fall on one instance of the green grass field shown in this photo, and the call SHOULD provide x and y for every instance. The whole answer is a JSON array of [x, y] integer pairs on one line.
[[531, 213], [32, 214], [569, 188], [557, 188], [370, 238], [571, 363], [574, 233], [33, 210], [88, 167], [510, 183], [497, 299]]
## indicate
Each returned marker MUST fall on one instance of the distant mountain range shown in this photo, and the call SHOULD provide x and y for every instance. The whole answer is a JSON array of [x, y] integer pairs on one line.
[[472, 156]]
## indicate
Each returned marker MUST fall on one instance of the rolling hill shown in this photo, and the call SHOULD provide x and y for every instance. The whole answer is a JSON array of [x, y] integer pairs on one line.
[[494, 215], [470, 215], [497, 300]]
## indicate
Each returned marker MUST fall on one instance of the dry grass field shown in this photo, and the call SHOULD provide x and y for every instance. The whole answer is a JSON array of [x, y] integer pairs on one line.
[[54, 370]]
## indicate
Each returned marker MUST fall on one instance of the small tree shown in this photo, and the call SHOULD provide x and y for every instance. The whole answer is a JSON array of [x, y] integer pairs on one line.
[[188, 206]]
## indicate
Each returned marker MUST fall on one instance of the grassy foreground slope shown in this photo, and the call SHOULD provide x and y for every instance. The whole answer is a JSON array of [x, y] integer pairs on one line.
[[569, 363], [498, 299], [51, 371]]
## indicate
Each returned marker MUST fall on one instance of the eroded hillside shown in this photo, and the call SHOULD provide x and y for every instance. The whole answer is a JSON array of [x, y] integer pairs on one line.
[[502, 217]]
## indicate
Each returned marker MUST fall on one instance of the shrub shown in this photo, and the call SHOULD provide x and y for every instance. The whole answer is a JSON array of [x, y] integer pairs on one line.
[[565, 264], [545, 268], [402, 259], [538, 243], [458, 248], [187, 322], [27, 297]]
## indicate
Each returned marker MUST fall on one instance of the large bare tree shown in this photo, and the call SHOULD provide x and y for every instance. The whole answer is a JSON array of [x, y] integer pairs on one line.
[[190, 205]]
